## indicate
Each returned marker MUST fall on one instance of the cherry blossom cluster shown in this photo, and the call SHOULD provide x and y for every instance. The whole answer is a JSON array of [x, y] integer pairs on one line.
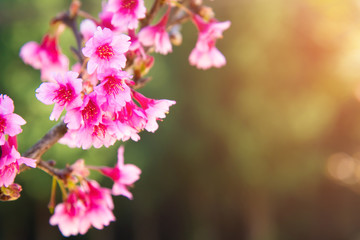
[[10, 158], [97, 98], [86, 203]]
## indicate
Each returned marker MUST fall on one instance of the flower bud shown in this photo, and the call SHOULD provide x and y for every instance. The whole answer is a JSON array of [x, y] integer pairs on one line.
[[175, 35], [10, 193], [206, 13]]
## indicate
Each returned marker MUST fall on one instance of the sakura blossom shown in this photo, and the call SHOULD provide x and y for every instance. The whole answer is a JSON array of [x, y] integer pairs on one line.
[[10, 161], [99, 205], [157, 36], [154, 109], [113, 89], [126, 13], [45, 56], [87, 205], [205, 55], [106, 50], [69, 215], [123, 175], [89, 113], [10, 122], [64, 93]]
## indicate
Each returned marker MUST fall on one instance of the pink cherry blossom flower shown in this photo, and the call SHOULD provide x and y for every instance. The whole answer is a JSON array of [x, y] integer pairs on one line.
[[157, 36], [69, 215], [87, 205], [123, 131], [89, 113], [205, 55], [123, 175], [106, 50], [99, 205], [47, 57], [133, 116], [65, 93], [126, 13], [93, 135], [154, 109], [106, 18], [113, 89], [9, 121], [10, 161]]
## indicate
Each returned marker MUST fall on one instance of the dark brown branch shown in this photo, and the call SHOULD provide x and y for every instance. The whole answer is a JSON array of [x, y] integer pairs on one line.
[[59, 173]]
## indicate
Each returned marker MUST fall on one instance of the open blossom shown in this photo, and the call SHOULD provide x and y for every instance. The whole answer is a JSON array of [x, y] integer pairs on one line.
[[123, 175], [99, 205], [106, 50], [64, 93], [86, 206], [68, 216], [157, 36], [86, 136], [154, 109], [114, 89], [10, 123], [45, 56], [89, 113], [126, 13], [205, 55], [10, 161]]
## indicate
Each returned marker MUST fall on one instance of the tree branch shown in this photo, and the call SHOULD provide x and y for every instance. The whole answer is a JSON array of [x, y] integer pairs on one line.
[[50, 138]]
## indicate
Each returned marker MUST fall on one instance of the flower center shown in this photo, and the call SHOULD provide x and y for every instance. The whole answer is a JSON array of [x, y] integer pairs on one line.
[[63, 95], [2, 124], [129, 4], [113, 85], [105, 52], [99, 130], [90, 111]]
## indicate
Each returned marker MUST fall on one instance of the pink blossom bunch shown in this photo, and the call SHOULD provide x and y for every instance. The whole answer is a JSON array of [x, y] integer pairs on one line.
[[99, 98], [88, 204], [85, 206], [10, 158]]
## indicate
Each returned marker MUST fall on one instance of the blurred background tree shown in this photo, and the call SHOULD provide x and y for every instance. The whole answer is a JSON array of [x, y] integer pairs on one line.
[[264, 148]]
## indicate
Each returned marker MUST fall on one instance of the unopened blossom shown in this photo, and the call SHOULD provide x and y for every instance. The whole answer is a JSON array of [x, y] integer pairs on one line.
[[205, 55], [126, 13], [157, 36], [123, 175], [113, 89], [45, 56], [106, 50], [10, 123], [87, 29], [65, 92], [154, 109], [10, 193], [10, 161]]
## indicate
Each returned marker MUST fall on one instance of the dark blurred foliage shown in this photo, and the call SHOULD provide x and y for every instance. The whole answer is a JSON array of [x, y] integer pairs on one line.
[[263, 148]]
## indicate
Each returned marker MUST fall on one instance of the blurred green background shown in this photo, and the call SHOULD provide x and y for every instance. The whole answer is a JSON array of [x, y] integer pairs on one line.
[[264, 148]]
